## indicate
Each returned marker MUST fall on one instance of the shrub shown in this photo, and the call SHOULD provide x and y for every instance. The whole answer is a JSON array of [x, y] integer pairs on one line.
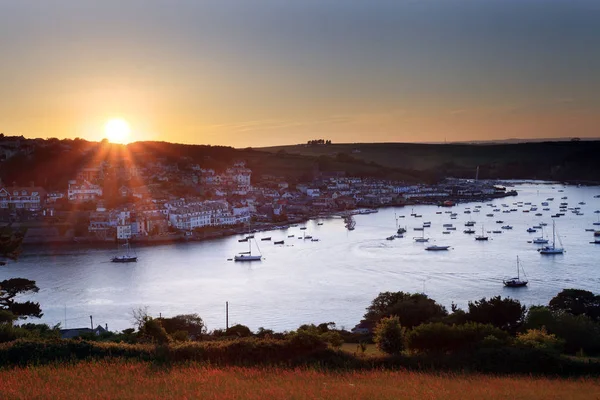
[[239, 330], [439, 337], [389, 335], [579, 332], [539, 339], [180, 336], [190, 323], [8, 333], [153, 330]]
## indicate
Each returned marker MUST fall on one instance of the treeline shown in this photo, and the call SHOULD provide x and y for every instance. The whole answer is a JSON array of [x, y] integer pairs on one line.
[[492, 335], [316, 142], [569, 324]]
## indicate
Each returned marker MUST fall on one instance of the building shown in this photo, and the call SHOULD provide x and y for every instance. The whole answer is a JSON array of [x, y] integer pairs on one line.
[[84, 191], [22, 198], [92, 174]]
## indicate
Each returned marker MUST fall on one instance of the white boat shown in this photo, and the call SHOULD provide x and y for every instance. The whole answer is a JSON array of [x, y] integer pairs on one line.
[[553, 249], [421, 239], [437, 248], [247, 256], [516, 282], [541, 239]]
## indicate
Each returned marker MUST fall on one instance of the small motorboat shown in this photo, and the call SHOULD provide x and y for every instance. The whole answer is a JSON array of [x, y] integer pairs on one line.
[[279, 242], [437, 248], [266, 238]]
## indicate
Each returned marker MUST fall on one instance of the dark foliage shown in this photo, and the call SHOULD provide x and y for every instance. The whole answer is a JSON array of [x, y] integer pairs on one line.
[[577, 302], [10, 288], [411, 309], [506, 314]]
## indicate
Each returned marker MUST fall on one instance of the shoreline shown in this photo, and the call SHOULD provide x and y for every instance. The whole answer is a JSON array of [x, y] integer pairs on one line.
[[176, 238]]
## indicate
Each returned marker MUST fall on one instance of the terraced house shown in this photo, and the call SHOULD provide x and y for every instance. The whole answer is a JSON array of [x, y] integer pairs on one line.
[[22, 198]]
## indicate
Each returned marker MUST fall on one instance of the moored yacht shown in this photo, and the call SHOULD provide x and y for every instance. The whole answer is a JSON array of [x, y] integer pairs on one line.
[[516, 282]]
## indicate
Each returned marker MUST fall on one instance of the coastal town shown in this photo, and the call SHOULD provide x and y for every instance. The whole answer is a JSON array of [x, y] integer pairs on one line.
[[160, 201]]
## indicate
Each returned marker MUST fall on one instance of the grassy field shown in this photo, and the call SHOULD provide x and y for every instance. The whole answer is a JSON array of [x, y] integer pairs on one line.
[[135, 380]]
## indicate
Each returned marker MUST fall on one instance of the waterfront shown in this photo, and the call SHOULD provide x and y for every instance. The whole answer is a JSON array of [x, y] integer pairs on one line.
[[330, 280]]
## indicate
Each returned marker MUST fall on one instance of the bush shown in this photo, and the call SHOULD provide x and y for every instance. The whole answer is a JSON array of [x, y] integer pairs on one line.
[[8, 333], [439, 337], [389, 335], [180, 336], [154, 331], [579, 332], [539, 339], [248, 351], [190, 323]]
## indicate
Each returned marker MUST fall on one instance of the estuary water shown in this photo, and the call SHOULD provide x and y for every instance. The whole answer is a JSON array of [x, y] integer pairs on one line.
[[333, 279]]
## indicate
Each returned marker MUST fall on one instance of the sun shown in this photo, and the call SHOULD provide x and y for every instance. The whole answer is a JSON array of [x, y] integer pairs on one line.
[[117, 131]]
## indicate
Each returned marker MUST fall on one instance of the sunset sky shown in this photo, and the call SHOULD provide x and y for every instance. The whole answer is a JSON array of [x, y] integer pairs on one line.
[[265, 72]]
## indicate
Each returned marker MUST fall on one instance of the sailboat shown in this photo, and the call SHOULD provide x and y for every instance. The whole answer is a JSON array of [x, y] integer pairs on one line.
[[552, 249], [350, 222], [516, 282], [247, 256], [541, 239], [399, 230], [127, 257], [421, 239], [482, 236]]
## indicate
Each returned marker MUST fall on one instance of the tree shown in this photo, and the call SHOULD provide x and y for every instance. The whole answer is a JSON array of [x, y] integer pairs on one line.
[[239, 330], [579, 332], [190, 323], [411, 309], [577, 302], [153, 330], [389, 335], [140, 316], [10, 288], [506, 314]]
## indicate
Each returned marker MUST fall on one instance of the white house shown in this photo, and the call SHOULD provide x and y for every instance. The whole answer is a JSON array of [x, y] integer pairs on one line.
[[23, 198], [83, 191]]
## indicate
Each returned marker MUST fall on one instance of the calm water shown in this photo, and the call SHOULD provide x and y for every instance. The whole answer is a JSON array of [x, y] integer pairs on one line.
[[330, 280]]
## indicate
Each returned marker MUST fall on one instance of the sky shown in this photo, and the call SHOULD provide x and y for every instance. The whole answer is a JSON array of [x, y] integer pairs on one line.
[[268, 72]]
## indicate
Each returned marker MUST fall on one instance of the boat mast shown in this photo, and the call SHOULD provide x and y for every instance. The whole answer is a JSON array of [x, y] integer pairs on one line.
[[553, 234], [518, 275]]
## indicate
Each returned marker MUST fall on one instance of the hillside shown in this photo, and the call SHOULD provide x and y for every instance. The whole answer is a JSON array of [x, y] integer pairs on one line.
[[573, 160], [51, 163]]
